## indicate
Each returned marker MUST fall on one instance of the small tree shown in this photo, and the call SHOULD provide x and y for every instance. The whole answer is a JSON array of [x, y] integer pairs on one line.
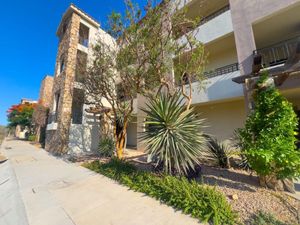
[[141, 61], [39, 120], [268, 139], [20, 114]]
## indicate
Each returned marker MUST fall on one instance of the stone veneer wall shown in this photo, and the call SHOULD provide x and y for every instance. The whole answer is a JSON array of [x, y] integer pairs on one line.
[[57, 140], [46, 91]]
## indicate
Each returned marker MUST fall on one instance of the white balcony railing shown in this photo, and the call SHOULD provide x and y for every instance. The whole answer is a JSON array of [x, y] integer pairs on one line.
[[217, 88], [213, 26]]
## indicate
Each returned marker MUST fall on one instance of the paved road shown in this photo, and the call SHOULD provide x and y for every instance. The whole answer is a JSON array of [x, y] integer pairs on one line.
[[55, 192]]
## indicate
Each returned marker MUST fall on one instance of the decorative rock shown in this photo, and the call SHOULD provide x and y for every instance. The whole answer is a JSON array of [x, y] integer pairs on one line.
[[234, 197], [278, 185], [288, 185], [271, 182]]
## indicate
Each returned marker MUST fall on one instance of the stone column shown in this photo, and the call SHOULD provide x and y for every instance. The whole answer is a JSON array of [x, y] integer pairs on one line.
[[57, 140]]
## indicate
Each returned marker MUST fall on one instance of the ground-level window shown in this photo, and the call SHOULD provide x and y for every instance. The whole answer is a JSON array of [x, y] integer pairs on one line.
[[52, 118], [77, 106]]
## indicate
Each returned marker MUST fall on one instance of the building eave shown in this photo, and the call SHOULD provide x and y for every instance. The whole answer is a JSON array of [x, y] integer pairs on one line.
[[74, 9]]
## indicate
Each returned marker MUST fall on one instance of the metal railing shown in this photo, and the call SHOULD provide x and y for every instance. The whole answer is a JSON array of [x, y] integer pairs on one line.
[[217, 72], [278, 53], [52, 118], [222, 70], [210, 17], [214, 15]]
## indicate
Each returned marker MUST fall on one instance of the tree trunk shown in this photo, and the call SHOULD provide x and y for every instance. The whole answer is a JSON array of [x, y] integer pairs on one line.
[[38, 134], [120, 140], [120, 145]]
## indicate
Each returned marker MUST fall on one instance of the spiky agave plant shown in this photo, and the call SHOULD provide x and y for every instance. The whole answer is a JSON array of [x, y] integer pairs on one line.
[[219, 152], [173, 135]]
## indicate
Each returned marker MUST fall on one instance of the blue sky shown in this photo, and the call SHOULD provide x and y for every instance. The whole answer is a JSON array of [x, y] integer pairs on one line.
[[29, 45]]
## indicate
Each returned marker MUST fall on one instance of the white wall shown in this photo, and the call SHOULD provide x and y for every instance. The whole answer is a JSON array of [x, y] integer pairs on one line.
[[221, 54], [213, 29], [217, 89], [132, 133], [223, 118], [84, 138]]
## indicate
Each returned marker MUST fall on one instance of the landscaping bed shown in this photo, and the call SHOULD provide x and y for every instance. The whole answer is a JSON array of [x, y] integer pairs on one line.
[[198, 200], [224, 196], [248, 198]]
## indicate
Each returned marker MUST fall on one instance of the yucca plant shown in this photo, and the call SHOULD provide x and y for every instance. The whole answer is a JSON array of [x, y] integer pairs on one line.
[[173, 135], [106, 147], [218, 152]]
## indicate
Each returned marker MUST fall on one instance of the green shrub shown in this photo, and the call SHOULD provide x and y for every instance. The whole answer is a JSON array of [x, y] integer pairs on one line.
[[263, 218], [173, 135], [31, 137], [106, 147], [268, 139], [200, 201]]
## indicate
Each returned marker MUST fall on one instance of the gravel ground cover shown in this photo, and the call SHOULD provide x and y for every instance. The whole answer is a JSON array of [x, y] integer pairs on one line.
[[248, 198]]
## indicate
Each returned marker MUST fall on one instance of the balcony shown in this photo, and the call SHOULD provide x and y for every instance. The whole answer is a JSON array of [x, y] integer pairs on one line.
[[222, 70], [214, 15], [217, 72], [277, 54], [218, 86], [214, 26]]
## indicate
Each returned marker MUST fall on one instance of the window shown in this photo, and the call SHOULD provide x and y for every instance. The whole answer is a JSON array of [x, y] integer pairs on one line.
[[56, 102], [64, 29], [81, 62], [77, 106], [83, 35], [52, 118], [61, 65]]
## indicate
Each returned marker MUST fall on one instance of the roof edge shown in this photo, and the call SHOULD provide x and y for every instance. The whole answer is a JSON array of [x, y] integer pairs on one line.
[[74, 9]]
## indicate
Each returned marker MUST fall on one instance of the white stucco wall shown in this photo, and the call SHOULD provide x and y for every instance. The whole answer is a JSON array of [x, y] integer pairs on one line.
[[132, 134], [223, 118], [217, 89], [221, 56], [213, 29], [84, 138]]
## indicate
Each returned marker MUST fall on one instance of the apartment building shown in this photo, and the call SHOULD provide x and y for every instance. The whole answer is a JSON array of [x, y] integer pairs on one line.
[[238, 35], [70, 128], [45, 95]]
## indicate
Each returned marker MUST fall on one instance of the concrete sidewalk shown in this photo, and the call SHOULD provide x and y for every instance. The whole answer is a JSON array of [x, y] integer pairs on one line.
[[55, 192]]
